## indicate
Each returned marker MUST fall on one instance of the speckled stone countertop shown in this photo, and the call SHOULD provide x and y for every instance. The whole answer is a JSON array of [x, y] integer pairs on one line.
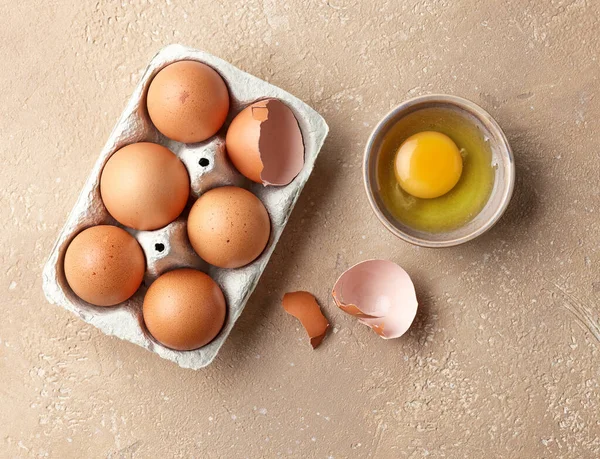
[[503, 359]]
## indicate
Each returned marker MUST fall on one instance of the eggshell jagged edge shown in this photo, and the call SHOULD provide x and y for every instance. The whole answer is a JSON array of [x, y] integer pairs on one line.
[[280, 128], [380, 294], [304, 307], [278, 141]]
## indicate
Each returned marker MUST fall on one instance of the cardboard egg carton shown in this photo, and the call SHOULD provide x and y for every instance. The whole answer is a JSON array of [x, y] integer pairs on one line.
[[168, 248]]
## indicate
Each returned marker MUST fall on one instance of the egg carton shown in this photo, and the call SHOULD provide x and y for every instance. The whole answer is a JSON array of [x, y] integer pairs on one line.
[[169, 248]]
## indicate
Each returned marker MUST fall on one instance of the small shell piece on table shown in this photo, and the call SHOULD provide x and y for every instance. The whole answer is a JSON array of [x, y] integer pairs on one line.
[[380, 294], [304, 307]]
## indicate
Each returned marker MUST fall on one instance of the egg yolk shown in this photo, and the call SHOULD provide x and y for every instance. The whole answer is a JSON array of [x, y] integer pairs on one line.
[[428, 164]]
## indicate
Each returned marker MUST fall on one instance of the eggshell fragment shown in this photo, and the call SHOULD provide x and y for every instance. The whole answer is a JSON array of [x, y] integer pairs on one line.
[[380, 294], [265, 144], [304, 307]]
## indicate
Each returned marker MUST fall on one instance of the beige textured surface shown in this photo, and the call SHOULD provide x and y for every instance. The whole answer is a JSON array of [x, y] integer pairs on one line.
[[503, 359]]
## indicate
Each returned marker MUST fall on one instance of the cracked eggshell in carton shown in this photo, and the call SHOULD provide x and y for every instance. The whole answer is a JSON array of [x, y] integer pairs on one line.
[[208, 167]]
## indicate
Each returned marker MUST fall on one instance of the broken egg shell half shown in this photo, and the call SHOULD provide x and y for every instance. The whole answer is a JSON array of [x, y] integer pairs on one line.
[[380, 294], [264, 143], [304, 307]]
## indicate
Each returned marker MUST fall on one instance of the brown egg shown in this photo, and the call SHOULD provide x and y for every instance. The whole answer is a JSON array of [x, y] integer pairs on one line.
[[104, 265], [144, 186], [184, 309], [264, 143], [188, 101], [228, 227]]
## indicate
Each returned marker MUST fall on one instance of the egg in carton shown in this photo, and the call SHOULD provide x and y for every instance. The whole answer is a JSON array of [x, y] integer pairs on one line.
[[168, 248]]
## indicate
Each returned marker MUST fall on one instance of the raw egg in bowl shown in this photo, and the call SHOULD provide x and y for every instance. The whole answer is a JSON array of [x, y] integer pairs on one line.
[[438, 171]]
